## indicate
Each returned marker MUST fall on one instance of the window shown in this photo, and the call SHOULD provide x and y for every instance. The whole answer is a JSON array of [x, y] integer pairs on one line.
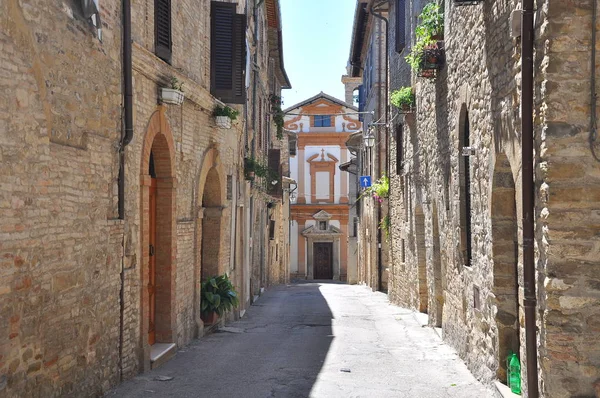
[[271, 229], [399, 149], [228, 53], [465, 205], [322, 121], [400, 25], [275, 173], [162, 27], [323, 225]]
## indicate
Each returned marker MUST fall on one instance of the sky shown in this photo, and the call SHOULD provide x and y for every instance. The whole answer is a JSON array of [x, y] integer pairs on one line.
[[316, 45]]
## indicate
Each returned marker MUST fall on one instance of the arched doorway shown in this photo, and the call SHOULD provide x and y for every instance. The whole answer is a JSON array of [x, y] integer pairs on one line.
[[505, 257], [421, 259], [211, 226], [158, 236]]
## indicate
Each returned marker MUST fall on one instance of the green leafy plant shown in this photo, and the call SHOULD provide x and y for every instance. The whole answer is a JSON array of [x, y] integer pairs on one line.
[[403, 98], [218, 295], [431, 23], [255, 168], [278, 114], [380, 189], [225, 111], [385, 225], [430, 28], [175, 83]]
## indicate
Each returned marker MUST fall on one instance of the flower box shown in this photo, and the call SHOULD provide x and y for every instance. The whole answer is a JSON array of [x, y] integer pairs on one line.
[[223, 122], [171, 96]]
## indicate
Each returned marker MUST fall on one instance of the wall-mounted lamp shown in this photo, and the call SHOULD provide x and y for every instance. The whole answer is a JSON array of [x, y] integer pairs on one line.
[[369, 137]]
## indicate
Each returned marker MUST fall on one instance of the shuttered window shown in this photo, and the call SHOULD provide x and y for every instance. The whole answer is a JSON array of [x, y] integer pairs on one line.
[[400, 25], [162, 27], [228, 53]]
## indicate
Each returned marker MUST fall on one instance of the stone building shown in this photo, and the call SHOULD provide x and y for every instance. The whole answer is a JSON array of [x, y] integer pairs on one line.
[[366, 62], [321, 222], [456, 201], [116, 203]]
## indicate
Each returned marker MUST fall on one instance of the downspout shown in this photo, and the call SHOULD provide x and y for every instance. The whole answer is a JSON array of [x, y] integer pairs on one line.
[[528, 187], [593, 102], [126, 138], [385, 88]]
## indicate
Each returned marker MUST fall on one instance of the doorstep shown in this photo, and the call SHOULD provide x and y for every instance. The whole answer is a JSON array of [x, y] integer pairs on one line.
[[504, 391], [161, 353]]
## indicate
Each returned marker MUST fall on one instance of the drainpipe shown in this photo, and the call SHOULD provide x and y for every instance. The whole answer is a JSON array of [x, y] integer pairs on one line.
[[126, 138], [385, 107], [528, 187], [593, 122]]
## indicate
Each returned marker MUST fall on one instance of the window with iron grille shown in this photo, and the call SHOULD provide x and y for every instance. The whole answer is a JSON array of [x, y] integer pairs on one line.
[[162, 27], [228, 53]]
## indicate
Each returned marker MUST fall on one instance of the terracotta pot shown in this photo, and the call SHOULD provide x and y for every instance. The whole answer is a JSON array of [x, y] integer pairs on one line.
[[209, 318]]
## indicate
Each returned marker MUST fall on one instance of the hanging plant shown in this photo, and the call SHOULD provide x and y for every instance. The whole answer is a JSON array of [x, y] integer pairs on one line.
[[427, 54], [380, 189], [403, 99], [385, 225], [278, 114]]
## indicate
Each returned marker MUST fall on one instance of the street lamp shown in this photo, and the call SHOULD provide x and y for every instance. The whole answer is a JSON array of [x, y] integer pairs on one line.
[[369, 140]]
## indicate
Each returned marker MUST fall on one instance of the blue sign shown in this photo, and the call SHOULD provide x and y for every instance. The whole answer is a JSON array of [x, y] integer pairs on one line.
[[365, 181]]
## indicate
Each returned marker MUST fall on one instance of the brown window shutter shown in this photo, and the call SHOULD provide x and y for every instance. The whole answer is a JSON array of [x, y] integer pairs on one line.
[[239, 59], [228, 53], [400, 25], [162, 27], [275, 168]]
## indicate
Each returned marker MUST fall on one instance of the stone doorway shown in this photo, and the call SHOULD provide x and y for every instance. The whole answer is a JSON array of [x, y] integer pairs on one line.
[[323, 260], [157, 235], [505, 257]]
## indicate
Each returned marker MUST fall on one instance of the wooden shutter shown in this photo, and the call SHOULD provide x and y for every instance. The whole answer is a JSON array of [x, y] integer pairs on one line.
[[400, 25], [162, 27], [274, 167], [228, 53]]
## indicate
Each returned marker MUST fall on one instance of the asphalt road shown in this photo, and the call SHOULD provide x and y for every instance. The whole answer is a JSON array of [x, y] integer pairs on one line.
[[314, 340]]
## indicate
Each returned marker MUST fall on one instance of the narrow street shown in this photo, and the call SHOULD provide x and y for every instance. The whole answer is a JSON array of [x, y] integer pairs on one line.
[[317, 340]]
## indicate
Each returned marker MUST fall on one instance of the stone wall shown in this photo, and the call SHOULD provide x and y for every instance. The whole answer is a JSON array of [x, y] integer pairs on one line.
[[66, 259], [59, 294], [479, 302]]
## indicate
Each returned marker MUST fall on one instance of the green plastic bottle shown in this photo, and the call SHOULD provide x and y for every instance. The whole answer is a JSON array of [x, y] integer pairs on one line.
[[514, 374]]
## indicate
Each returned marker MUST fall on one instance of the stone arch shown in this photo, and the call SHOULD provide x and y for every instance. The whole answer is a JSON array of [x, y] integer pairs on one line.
[[211, 203], [505, 248], [157, 186], [420, 250]]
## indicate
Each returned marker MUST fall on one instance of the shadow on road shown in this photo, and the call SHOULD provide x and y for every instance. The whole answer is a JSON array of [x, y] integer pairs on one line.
[[276, 350]]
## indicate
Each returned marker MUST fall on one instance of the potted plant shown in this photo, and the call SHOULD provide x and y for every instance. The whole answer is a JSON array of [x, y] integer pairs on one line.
[[403, 99], [278, 115], [218, 297], [224, 115], [427, 54], [174, 93], [431, 25]]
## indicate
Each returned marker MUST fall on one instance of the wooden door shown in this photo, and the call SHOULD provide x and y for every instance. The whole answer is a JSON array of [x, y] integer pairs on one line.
[[323, 260], [152, 264]]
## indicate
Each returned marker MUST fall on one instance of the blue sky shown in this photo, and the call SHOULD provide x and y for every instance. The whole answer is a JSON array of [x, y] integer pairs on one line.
[[316, 44]]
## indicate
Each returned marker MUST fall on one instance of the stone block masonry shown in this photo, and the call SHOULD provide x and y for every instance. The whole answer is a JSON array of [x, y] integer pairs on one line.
[[75, 282], [476, 96]]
